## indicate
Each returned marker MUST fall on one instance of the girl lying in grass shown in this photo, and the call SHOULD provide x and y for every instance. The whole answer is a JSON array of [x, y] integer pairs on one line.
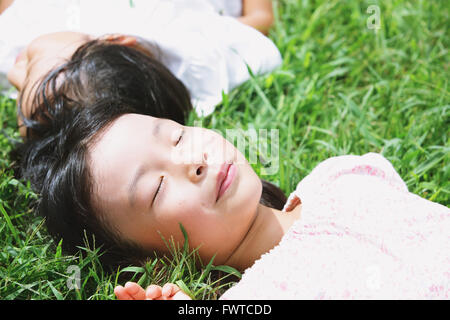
[[207, 51], [350, 229]]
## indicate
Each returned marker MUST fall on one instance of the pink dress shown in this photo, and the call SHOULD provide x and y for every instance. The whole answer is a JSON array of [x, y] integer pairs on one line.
[[361, 235]]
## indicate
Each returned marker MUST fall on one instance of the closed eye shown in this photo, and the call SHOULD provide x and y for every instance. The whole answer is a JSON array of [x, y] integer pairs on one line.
[[157, 190], [181, 137]]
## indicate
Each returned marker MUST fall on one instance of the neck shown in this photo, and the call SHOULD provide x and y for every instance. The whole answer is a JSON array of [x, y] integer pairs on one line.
[[266, 231]]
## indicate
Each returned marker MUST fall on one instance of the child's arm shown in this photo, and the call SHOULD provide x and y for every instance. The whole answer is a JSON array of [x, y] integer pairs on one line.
[[257, 14], [4, 4], [133, 291]]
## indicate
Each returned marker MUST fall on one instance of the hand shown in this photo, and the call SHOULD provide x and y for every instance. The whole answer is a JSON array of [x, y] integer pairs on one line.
[[4, 4], [133, 291], [257, 14], [293, 203]]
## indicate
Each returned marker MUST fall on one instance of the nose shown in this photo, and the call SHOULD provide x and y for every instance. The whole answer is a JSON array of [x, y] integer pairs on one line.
[[196, 171]]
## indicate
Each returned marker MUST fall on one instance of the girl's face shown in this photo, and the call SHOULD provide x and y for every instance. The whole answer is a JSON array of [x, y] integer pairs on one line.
[[152, 174]]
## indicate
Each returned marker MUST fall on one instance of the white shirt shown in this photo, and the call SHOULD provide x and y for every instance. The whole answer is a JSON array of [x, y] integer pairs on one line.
[[201, 42]]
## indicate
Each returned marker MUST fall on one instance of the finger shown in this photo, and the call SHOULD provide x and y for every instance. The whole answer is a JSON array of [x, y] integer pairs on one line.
[[153, 292], [121, 39], [122, 294], [109, 37], [135, 291], [293, 203], [180, 295], [169, 289]]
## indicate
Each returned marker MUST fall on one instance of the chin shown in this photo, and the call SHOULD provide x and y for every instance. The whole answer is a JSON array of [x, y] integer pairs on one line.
[[251, 190]]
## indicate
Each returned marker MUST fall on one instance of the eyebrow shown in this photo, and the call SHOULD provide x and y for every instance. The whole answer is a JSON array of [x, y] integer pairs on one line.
[[156, 129]]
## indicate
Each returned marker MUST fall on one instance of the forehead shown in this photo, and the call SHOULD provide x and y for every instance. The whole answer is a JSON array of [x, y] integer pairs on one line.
[[122, 134]]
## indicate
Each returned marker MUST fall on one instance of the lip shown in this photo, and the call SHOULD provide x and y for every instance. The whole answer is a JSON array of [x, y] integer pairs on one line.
[[225, 178]]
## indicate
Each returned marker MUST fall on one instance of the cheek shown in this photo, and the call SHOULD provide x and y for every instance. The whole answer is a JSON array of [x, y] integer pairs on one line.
[[185, 206], [189, 213]]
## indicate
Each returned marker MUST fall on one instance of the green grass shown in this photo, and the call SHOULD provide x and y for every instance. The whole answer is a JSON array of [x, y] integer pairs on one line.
[[342, 89]]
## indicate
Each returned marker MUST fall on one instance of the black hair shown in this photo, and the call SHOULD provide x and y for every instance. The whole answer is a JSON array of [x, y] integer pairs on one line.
[[100, 83], [272, 196], [104, 71]]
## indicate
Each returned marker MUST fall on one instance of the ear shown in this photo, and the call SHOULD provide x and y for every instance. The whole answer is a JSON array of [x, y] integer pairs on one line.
[[121, 39]]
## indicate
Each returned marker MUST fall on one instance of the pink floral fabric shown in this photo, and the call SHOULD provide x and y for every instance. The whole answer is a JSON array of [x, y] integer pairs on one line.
[[361, 235]]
